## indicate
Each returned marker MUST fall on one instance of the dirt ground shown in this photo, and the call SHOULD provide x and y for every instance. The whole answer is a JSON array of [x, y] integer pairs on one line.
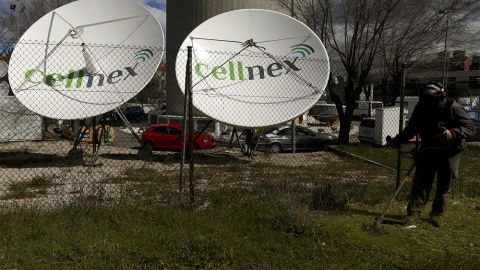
[[24, 162]]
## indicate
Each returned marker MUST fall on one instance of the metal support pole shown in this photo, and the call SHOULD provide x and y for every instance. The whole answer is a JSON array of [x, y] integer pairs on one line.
[[93, 137], [445, 58], [188, 80], [190, 138], [293, 120], [203, 130], [294, 137], [293, 8], [129, 126], [256, 144], [400, 124]]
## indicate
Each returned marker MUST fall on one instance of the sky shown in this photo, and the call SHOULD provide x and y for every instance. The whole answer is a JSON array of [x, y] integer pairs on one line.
[[156, 7]]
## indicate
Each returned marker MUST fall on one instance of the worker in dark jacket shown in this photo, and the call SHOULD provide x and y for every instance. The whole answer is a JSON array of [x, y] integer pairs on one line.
[[443, 126]]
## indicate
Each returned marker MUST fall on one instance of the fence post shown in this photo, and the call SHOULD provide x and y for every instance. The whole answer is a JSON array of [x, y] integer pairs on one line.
[[294, 136], [190, 129], [293, 125], [188, 79], [400, 124]]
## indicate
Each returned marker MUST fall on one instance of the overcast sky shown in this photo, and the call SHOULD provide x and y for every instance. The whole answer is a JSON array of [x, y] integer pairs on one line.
[[156, 7]]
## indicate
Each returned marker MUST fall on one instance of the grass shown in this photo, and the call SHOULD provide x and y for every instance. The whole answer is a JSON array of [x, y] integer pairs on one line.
[[247, 235], [383, 155], [253, 216], [37, 186]]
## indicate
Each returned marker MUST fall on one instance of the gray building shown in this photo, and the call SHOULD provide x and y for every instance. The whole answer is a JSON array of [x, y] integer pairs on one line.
[[182, 17]]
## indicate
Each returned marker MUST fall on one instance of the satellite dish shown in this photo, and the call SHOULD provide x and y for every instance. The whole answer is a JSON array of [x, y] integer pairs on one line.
[[4, 88], [254, 68], [86, 58], [3, 68]]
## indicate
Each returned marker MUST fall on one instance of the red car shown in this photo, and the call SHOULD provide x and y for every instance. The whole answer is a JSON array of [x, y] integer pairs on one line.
[[169, 136]]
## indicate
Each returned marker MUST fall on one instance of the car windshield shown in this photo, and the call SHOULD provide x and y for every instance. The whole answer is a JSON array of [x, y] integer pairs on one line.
[[306, 131], [285, 131], [195, 131]]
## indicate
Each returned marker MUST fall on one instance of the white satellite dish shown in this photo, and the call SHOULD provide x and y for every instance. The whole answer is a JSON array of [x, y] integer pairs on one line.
[[86, 58], [254, 68], [3, 68], [4, 88]]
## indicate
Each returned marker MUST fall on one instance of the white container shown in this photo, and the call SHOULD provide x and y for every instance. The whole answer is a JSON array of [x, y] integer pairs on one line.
[[18, 122], [386, 124]]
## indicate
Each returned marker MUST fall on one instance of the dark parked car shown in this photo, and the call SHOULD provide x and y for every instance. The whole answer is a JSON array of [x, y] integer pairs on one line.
[[134, 112], [279, 139], [475, 137], [169, 136]]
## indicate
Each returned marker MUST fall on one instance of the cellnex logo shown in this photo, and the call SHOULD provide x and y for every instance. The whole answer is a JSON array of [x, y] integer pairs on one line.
[[236, 70], [143, 55], [302, 49], [57, 79]]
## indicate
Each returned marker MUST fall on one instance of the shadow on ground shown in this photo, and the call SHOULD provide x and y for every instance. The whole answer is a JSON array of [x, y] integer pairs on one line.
[[170, 158], [36, 160]]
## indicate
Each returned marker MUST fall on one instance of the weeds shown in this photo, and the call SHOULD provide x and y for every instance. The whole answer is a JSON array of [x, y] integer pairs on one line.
[[143, 174], [38, 185], [235, 167], [171, 159], [288, 213], [267, 152], [328, 196], [114, 180], [254, 216]]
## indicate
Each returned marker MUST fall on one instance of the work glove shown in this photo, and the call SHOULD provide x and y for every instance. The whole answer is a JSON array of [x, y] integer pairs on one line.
[[446, 135]]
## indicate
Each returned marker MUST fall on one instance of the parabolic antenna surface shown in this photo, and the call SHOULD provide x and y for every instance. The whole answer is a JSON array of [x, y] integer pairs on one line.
[[86, 58], [3, 68], [254, 68]]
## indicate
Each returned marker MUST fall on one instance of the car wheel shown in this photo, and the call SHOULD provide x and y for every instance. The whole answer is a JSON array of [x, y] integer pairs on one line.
[[150, 145], [324, 146], [276, 148], [196, 146]]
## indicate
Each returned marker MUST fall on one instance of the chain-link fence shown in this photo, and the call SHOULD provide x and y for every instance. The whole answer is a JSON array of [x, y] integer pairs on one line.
[[90, 145]]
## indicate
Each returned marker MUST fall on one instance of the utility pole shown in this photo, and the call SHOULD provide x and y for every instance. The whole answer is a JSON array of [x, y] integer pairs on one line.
[[400, 124], [14, 7], [445, 57]]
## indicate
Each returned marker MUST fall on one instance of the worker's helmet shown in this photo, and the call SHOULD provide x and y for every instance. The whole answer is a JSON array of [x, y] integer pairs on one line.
[[432, 94]]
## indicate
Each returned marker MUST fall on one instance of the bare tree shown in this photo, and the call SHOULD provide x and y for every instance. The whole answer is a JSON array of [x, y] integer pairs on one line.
[[155, 89], [419, 29], [15, 21], [307, 12], [353, 30], [364, 32]]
